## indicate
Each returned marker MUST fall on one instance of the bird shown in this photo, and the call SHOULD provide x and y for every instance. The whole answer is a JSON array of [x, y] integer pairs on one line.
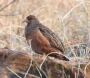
[[43, 40]]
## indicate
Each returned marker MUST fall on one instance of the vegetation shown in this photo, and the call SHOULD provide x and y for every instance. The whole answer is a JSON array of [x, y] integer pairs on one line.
[[67, 18]]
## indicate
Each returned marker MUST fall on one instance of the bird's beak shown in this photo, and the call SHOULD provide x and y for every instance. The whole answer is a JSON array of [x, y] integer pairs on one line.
[[25, 21]]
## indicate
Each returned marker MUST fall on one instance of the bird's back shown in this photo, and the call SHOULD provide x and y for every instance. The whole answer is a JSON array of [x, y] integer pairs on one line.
[[54, 40]]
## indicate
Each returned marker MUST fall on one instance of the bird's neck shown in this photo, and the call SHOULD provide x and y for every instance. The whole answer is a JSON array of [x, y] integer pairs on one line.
[[33, 23]]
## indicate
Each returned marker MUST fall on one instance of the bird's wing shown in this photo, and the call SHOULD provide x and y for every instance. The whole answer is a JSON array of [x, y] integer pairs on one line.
[[54, 40]]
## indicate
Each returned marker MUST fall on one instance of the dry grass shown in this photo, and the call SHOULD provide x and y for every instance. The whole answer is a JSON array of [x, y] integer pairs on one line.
[[68, 18]]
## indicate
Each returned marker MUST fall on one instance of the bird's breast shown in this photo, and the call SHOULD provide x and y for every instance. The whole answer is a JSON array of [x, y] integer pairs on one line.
[[39, 42]]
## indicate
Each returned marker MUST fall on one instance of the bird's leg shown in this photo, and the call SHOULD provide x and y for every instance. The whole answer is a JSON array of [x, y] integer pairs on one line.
[[28, 41]]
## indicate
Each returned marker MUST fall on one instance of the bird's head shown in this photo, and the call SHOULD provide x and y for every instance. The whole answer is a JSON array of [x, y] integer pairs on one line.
[[30, 18]]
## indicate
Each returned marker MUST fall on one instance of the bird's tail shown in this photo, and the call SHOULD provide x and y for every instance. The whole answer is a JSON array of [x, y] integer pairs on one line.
[[59, 56]]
